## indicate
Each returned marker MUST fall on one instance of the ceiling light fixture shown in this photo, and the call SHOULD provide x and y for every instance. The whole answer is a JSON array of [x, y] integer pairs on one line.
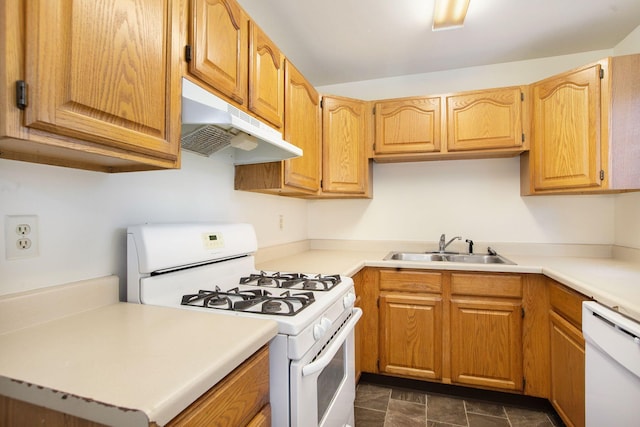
[[449, 14]]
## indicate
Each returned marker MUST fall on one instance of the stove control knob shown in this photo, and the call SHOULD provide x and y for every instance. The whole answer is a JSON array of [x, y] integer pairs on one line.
[[326, 323], [320, 329], [349, 300], [318, 332]]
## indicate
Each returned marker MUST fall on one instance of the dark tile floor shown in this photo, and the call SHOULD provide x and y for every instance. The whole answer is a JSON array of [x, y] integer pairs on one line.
[[387, 406]]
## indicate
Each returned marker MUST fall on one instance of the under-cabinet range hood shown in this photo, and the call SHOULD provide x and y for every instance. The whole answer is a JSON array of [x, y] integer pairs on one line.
[[210, 124]]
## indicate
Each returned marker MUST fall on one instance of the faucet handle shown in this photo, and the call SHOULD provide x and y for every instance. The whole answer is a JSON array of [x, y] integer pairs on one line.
[[470, 242]]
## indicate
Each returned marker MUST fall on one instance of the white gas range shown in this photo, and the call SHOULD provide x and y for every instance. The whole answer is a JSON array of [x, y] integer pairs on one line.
[[210, 267]]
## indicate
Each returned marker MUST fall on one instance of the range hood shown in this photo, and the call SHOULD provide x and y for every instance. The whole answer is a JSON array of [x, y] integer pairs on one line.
[[210, 124]]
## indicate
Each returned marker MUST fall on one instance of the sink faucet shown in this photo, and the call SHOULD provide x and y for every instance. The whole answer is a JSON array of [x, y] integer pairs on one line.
[[442, 246]]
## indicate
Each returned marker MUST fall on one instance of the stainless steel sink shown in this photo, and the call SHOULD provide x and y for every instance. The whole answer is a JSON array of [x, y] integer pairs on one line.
[[448, 257]]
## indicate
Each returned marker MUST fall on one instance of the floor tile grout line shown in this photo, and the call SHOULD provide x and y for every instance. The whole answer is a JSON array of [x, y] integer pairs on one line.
[[466, 413], [369, 409]]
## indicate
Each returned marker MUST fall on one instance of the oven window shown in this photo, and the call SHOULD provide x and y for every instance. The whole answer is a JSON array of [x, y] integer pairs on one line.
[[329, 382]]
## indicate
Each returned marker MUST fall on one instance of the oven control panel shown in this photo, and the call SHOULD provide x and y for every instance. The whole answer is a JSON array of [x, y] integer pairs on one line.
[[212, 240]]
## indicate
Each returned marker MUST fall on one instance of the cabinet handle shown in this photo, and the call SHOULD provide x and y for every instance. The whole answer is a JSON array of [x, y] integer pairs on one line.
[[21, 94]]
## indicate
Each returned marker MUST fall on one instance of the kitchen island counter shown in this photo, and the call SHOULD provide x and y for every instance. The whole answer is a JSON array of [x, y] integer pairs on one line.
[[119, 363], [610, 281]]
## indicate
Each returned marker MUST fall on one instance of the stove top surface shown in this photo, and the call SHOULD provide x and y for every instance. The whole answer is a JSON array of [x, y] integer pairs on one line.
[[195, 289]]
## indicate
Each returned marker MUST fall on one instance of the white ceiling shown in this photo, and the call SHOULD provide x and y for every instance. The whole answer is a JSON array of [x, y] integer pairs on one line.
[[337, 41]]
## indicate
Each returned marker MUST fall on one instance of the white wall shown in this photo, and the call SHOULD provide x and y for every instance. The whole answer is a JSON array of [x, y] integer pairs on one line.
[[479, 199], [83, 215], [627, 206]]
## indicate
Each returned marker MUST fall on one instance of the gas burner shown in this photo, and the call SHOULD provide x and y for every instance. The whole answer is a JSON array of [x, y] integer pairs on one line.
[[312, 283], [285, 304], [296, 281], [250, 300], [266, 280], [219, 299]]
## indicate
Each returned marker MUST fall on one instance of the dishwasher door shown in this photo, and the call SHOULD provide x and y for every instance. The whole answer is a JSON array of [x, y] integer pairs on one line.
[[612, 367]]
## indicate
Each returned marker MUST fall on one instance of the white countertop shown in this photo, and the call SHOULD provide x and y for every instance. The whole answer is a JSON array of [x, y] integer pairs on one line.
[[126, 364], [614, 283]]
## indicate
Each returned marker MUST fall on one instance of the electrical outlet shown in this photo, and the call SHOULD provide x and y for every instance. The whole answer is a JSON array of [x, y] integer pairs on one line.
[[281, 222], [21, 236]]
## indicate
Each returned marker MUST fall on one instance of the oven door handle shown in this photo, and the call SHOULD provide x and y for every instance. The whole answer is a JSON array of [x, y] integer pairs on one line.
[[320, 363]]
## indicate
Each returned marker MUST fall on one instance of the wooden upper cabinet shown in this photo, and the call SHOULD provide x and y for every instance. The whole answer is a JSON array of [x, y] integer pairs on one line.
[[298, 177], [344, 156], [102, 84], [585, 130], [484, 119], [566, 130], [220, 43], [266, 77], [302, 128], [407, 125]]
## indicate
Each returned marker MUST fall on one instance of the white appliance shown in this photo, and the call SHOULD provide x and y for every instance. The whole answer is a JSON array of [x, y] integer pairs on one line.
[[210, 124], [612, 367], [210, 267]]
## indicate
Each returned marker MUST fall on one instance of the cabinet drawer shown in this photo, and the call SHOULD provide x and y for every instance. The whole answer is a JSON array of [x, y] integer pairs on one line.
[[233, 401], [410, 281], [486, 285], [566, 302]]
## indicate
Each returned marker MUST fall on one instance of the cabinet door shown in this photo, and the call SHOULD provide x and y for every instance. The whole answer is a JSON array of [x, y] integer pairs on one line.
[[104, 72], [567, 371], [484, 120], [344, 159], [566, 130], [486, 343], [219, 34], [411, 335], [410, 125], [266, 77], [302, 129]]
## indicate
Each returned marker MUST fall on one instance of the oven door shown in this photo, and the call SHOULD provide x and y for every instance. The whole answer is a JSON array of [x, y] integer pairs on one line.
[[323, 387]]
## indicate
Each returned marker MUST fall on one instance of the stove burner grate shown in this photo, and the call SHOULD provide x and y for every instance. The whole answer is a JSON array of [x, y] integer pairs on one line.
[[292, 281], [251, 301]]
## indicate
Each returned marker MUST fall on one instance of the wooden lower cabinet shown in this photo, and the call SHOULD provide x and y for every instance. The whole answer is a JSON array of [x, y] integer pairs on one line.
[[486, 343], [567, 371], [486, 330], [519, 333], [366, 336], [411, 335], [567, 354], [452, 327]]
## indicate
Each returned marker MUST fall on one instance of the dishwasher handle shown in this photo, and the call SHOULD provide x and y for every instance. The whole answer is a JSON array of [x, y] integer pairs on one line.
[[612, 334]]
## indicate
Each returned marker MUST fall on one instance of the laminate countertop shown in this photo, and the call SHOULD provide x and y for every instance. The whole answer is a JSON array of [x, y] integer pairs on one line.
[[614, 283], [118, 363]]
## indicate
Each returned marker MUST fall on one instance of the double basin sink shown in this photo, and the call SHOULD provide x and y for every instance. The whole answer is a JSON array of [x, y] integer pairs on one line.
[[449, 257]]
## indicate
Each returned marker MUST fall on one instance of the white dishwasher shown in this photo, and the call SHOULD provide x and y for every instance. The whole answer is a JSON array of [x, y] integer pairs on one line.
[[612, 367]]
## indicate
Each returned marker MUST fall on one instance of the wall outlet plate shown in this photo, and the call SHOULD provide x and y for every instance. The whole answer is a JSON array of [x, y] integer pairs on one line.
[[21, 236]]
